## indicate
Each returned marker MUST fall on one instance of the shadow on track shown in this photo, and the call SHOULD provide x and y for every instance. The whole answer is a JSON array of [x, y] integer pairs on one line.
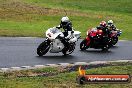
[[96, 51], [114, 47], [57, 57]]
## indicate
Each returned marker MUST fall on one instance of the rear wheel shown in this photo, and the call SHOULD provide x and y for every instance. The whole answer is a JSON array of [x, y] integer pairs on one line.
[[72, 47], [69, 50], [43, 48], [83, 45], [105, 48]]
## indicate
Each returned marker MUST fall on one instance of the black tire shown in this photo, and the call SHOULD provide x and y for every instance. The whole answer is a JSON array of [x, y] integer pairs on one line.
[[72, 47], [83, 45], [115, 40], [64, 51], [43, 48], [67, 51], [105, 48]]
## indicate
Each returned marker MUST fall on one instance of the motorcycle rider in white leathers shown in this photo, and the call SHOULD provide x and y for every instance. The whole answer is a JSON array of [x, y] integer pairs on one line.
[[111, 25]]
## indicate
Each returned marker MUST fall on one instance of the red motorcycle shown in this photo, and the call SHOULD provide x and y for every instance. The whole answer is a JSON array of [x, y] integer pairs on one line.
[[95, 39]]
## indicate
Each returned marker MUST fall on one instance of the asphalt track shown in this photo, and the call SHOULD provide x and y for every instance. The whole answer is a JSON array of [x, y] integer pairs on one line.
[[20, 51]]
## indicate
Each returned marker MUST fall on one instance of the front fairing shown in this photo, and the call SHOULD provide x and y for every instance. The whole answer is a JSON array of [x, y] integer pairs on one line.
[[52, 33], [95, 33]]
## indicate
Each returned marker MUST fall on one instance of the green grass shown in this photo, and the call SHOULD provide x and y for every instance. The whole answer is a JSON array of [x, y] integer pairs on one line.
[[63, 80], [94, 5], [34, 17]]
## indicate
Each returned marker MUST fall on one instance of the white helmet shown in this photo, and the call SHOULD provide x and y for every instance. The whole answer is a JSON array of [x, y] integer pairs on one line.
[[64, 19], [110, 22]]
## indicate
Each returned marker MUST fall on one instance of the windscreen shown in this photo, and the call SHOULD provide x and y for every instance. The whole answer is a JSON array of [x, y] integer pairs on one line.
[[54, 30]]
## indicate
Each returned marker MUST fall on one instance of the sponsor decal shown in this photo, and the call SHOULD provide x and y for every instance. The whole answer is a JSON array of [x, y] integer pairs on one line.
[[102, 78]]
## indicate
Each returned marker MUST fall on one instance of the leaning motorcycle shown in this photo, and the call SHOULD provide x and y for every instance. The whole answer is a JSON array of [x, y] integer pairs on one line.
[[95, 39], [54, 44], [114, 36]]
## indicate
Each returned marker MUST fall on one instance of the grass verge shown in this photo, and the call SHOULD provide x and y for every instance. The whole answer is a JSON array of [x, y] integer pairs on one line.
[[61, 77], [34, 17]]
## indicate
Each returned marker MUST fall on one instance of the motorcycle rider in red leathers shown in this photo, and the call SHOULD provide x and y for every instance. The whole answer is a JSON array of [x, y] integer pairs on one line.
[[103, 26]]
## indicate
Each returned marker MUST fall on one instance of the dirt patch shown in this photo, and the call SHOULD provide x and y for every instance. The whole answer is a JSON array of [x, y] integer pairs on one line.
[[12, 8], [21, 11]]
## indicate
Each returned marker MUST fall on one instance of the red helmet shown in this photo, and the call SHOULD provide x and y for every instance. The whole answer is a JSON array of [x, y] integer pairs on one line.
[[103, 23]]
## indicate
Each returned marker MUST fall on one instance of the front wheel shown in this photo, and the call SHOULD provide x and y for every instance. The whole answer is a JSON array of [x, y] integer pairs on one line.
[[83, 45], [115, 40], [43, 48]]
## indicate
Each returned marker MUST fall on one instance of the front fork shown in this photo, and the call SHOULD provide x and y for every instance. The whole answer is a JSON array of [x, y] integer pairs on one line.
[[47, 41], [88, 40]]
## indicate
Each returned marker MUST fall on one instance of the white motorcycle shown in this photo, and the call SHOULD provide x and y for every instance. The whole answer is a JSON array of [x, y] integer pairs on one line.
[[54, 44]]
